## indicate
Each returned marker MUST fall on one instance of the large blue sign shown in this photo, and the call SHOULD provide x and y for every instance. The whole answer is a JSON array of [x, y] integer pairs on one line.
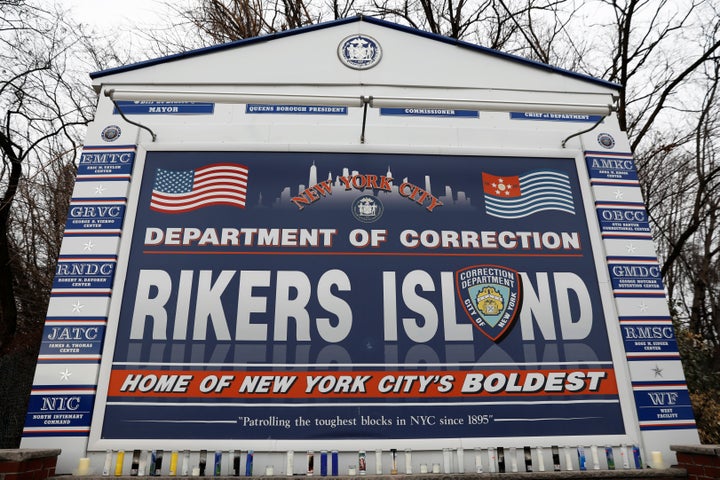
[[378, 295]]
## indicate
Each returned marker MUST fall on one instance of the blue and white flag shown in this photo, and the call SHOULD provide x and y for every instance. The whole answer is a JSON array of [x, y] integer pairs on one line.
[[522, 195]]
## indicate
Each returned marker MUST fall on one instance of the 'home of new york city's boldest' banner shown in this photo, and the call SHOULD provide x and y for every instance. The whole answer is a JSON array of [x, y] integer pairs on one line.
[[322, 295]]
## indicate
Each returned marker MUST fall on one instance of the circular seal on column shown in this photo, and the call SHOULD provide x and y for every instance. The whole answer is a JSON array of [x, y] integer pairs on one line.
[[110, 133], [359, 52], [606, 140]]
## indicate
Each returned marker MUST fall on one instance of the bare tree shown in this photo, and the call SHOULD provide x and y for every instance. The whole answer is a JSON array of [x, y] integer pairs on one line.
[[42, 105], [646, 60], [45, 101], [209, 22], [693, 251], [454, 19]]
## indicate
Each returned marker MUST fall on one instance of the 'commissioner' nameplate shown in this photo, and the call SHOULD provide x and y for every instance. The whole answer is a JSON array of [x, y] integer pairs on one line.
[[428, 112]]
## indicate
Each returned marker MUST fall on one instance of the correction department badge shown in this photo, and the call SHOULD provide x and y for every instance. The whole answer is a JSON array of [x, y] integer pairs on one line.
[[491, 297], [359, 51]]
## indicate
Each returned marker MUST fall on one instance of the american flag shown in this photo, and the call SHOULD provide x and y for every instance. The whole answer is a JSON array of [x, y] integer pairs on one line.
[[522, 195], [179, 191]]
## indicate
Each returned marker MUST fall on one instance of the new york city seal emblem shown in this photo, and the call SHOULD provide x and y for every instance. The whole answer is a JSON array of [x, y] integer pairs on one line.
[[359, 52]]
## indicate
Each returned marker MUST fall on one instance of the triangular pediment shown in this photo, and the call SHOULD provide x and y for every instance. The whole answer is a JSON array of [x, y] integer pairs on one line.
[[309, 57]]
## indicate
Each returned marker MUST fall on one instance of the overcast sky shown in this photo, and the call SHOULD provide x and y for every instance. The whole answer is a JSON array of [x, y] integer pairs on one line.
[[107, 14]]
